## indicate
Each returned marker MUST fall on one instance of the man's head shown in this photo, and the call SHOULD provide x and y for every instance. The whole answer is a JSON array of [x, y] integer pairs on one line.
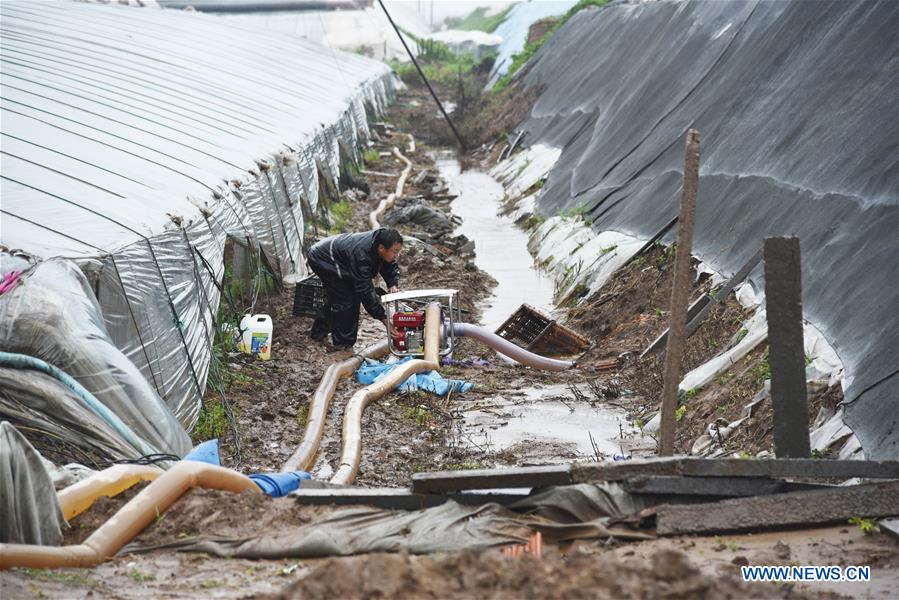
[[388, 243]]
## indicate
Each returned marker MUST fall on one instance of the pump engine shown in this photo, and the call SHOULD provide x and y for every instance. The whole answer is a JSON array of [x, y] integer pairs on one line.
[[406, 320], [409, 331]]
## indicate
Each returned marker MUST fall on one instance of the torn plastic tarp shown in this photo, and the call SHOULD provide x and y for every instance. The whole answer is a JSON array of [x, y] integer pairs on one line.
[[560, 514], [432, 381], [52, 315], [29, 507]]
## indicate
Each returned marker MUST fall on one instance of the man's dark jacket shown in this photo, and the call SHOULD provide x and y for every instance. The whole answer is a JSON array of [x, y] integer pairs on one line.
[[353, 259]]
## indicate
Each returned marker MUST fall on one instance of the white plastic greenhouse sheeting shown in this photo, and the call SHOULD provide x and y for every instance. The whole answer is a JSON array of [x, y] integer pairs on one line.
[[514, 30], [367, 30], [136, 141]]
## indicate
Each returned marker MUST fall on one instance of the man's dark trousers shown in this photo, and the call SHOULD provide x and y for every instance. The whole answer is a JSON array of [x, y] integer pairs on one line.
[[340, 312]]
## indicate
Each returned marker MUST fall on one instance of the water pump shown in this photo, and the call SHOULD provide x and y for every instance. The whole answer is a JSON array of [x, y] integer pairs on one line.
[[406, 320]]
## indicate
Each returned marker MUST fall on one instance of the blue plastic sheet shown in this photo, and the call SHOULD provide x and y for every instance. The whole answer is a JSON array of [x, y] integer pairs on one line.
[[432, 381], [279, 484], [207, 452]]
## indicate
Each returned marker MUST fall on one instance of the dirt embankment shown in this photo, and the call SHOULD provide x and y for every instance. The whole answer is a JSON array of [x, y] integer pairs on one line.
[[632, 310]]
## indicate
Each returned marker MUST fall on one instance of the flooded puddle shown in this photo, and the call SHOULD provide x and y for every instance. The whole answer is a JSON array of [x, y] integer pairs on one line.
[[547, 425], [538, 425], [500, 246]]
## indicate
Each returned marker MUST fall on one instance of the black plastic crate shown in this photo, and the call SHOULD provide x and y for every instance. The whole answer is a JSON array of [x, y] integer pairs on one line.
[[308, 297]]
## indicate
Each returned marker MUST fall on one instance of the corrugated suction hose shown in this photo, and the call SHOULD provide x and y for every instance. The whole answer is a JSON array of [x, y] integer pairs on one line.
[[304, 456], [110, 482], [130, 520], [351, 452]]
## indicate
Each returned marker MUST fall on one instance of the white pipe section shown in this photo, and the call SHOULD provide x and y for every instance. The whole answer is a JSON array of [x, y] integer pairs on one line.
[[387, 203], [516, 353]]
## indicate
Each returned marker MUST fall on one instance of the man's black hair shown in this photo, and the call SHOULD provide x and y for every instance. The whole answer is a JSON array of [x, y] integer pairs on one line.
[[388, 237]]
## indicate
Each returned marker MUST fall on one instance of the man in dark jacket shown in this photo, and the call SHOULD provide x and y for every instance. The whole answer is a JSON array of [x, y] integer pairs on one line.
[[346, 265]]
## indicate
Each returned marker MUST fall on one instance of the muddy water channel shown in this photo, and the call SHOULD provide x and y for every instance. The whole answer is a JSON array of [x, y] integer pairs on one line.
[[536, 424], [500, 247]]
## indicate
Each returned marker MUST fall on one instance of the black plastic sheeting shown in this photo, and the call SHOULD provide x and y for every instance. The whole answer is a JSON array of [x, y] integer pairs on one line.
[[796, 105]]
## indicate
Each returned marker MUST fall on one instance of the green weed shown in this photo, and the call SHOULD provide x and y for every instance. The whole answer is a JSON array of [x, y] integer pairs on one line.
[[49, 575], [341, 212], [867, 526], [140, 577], [212, 423], [465, 466], [518, 60], [762, 371], [420, 414], [478, 20], [371, 157], [533, 222]]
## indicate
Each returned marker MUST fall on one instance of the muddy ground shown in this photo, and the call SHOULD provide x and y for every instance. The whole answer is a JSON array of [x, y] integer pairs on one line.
[[688, 567], [407, 433]]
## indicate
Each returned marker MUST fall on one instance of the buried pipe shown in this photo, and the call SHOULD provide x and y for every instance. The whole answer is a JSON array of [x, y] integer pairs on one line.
[[110, 482], [304, 456], [516, 353], [351, 452], [130, 520], [387, 203]]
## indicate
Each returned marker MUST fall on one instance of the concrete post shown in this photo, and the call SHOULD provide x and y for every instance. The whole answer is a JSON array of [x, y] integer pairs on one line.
[[786, 353], [680, 294]]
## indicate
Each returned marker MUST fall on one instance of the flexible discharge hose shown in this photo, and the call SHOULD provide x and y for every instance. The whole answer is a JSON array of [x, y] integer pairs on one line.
[[516, 353], [351, 452], [304, 456], [130, 520]]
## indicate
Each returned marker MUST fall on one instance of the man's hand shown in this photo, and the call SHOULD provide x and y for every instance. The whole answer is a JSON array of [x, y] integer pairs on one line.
[[394, 334], [393, 289]]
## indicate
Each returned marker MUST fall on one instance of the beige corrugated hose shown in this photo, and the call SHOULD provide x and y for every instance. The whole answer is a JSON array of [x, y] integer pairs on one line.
[[304, 456], [130, 520], [110, 482], [351, 452], [387, 203]]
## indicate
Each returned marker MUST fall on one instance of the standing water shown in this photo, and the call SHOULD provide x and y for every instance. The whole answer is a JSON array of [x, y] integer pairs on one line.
[[500, 247], [545, 421]]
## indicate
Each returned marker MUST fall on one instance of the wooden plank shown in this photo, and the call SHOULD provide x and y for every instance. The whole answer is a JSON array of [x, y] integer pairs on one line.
[[621, 470], [795, 467], [734, 467], [807, 508], [786, 354], [694, 310], [723, 292], [484, 479], [711, 486], [680, 293], [396, 498]]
